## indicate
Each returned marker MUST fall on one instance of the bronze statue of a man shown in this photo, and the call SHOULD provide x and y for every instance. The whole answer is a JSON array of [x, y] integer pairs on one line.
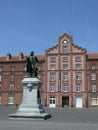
[[31, 64]]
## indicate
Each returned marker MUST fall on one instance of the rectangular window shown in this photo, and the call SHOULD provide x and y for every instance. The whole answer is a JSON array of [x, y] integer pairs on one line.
[[52, 67], [10, 100], [65, 88], [65, 76], [93, 87], [78, 76], [78, 59], [93, 76], [94, 101], [65, 67], [52, 100], [78, 87], [65, 49], [52, 59], [93, 67], [65, 59], [52, 77], [52, 88], [12, 78], [78, 67]]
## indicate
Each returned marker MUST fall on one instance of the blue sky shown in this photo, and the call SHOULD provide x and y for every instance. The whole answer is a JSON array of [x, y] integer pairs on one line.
[[27, 25]]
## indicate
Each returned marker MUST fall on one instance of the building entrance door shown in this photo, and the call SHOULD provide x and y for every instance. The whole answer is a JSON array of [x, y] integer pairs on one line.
[[52, 101], [65, 101], [79, 102]]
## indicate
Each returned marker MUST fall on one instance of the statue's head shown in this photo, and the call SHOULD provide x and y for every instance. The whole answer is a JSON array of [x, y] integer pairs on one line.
[[32, 53]]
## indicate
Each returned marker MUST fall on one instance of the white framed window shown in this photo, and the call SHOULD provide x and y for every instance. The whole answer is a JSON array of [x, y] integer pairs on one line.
[[78, 87], [93, 87], [78, 76], [65, 87], [65, 59], [11, 100], [65, 76], [65, 49], [94, 101], [93, 67], [93, 76], [52, 77], [52, 67], [12, 78], [78, 67], [52, 59], [52, 88], [65, 67], [78, 59]]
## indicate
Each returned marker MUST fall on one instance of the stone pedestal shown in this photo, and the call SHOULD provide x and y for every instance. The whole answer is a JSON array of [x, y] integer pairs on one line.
[[31, 107]]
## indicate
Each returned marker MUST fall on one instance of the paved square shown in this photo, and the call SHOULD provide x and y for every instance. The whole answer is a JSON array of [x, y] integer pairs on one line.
[[62, 119]]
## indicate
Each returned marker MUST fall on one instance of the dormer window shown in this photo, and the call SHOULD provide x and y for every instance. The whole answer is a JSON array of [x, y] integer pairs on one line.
[[21, 56], [8, 56]]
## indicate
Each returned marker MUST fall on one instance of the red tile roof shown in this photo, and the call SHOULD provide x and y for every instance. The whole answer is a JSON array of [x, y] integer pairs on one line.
[[92, 55], [16, 58], [41, 57]]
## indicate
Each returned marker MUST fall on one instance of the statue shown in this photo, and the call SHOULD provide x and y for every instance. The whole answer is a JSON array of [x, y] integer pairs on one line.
[[31, 65], [31, 106]]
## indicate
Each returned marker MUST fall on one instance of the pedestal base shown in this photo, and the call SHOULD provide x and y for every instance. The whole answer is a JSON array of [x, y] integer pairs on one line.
[[31, 107], [26, 116]]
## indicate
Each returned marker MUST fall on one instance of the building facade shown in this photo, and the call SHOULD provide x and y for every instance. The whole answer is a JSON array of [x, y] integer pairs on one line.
[[92, 79], [68, 73]]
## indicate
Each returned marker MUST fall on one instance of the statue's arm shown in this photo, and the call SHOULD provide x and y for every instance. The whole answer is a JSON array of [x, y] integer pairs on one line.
[[38, 61]]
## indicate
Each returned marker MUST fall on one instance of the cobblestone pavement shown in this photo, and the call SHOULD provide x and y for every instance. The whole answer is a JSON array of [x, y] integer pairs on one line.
[[64, 119]]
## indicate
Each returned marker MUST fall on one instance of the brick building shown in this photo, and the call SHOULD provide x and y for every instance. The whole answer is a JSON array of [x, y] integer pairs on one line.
[[68, 73], [92, 79]]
